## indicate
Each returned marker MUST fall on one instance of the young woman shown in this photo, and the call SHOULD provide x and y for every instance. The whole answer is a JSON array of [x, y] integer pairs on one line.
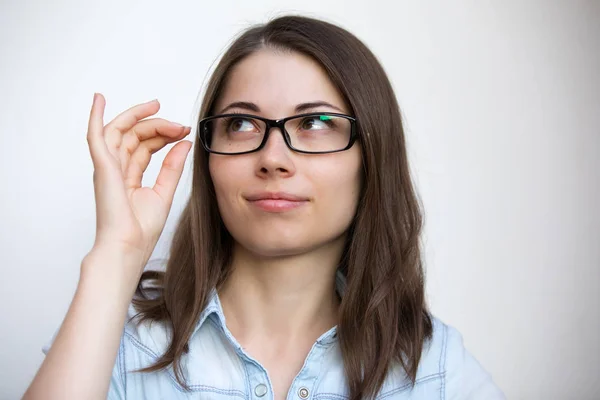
[[295, 271]]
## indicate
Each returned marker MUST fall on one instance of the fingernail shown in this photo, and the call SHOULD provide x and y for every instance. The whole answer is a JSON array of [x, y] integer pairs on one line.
[[95, 95], [177, 125]]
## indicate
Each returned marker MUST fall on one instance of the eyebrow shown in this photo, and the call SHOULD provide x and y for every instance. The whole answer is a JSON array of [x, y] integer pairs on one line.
[[302, 107]]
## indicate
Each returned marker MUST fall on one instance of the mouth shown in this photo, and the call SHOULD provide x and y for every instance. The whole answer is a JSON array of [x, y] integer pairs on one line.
[[276, 202]]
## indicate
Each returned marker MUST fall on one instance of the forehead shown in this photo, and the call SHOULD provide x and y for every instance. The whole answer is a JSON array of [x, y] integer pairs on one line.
[[277, 81]]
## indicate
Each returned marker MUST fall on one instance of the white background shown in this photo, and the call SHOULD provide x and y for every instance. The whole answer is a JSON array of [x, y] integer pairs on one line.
[[502, 110]]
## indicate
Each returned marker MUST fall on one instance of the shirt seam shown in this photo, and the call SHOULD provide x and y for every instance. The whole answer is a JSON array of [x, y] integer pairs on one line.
[[174, 382], [122, 365], [407, 385], [328, 350], [442, 364], [386, 394]]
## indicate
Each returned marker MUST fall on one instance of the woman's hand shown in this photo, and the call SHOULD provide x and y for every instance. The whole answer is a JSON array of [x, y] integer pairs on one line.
[[129, 217]]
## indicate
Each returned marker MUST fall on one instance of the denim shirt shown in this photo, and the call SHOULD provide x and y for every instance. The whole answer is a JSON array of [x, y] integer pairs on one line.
[[217, 367]]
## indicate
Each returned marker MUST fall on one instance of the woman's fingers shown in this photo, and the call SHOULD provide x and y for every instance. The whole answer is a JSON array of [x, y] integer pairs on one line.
[[132, 141], [114, 130], [149, 129], [95, 135], [171, 170], [141, 156], [128, 118]]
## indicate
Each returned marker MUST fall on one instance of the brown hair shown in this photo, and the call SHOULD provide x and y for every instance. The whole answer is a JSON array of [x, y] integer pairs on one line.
[[383, 313]]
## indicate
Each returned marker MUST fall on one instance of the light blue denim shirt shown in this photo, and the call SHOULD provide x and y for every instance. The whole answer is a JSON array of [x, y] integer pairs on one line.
[[218, 368]]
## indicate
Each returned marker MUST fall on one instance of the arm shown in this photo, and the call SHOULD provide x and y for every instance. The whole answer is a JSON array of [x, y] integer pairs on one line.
[[80, 361], [129, 221]]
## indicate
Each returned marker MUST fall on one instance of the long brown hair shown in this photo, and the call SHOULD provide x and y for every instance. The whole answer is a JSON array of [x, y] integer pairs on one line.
[[383, 313]]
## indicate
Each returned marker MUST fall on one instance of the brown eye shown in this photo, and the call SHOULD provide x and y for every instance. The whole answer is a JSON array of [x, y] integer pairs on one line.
[[241, 125], [307, 123], [316, 123]]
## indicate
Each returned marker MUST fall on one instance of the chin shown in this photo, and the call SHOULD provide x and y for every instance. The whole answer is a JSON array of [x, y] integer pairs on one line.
[[276, 248]]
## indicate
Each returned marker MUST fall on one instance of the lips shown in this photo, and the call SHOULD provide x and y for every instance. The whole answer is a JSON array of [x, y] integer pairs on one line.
[[275, 196], [276, 201]]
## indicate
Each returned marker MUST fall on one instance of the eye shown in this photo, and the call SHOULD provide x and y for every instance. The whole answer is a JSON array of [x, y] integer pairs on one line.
[[241, 125], [316, 122]]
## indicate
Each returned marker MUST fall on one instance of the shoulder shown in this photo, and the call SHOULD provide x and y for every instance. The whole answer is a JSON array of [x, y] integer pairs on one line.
[[149, 337], [462, 376], [144, 341], [446, 371], [209, 366]]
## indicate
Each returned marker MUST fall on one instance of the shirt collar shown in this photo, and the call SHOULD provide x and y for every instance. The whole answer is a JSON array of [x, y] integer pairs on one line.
[[215, 310]]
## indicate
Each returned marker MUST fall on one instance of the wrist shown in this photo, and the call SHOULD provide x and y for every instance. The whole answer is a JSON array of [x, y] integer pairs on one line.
[[113, 271]]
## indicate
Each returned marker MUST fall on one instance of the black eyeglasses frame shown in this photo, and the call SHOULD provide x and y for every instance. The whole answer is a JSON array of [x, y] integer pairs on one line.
[[276, 123]]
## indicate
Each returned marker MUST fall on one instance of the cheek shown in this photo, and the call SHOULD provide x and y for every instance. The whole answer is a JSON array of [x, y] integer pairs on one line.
[[225, 181], [213, 168], [339, 187]]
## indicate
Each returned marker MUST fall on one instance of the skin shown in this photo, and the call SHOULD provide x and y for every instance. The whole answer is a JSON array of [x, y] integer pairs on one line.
[[281, 295]]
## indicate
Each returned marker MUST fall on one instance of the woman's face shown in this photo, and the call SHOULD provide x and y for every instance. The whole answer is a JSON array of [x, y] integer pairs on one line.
[[326, 185]]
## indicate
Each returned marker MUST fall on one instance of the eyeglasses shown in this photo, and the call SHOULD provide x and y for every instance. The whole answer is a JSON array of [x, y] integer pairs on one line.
[[314, 133]]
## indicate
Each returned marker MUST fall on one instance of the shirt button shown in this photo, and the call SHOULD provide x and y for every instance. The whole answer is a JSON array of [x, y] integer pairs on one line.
[[260, 390], [303, 393]]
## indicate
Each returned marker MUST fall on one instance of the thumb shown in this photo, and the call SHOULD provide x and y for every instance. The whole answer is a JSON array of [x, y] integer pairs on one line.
[[171, 170]]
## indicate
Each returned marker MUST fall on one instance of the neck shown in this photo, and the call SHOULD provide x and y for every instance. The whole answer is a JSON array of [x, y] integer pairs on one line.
[[281, 298]]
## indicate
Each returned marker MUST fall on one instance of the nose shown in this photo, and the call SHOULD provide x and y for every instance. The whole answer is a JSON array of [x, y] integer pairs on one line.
[[275, 158]]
